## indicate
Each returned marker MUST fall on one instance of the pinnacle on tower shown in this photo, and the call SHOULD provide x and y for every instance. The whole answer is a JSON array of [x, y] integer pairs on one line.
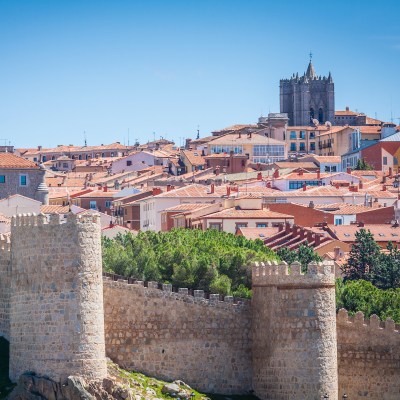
[[311, 71]]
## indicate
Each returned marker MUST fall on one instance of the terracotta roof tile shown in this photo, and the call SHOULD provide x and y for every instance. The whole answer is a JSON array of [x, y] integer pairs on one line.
[[233, 213], [9, 160]]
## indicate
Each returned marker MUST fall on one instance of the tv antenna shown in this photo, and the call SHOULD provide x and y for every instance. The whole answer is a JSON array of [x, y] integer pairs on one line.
[[84, 137]]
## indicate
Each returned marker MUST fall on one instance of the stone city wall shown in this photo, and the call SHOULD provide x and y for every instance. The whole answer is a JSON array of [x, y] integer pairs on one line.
[[368, 357], [5, 282], [56, 312], [294, 331], [204, 342]]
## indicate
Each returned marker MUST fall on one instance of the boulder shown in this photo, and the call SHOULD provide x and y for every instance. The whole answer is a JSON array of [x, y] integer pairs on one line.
[[170, 388]]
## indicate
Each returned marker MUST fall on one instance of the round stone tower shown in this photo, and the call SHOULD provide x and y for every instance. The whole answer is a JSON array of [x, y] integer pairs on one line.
[[56, 317], [294, 332]]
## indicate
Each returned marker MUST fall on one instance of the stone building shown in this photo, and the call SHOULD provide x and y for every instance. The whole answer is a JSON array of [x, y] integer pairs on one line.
[[21, 176], [308, 97]]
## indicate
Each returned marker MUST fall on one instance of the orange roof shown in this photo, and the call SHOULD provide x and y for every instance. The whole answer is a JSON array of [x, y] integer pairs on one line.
[[232, 139], [9, 160], [49, 209], [98, 193], [381, 232], [258, 233], [233, 213], [188, 207], [368, 130], [194, 157], [236, 127], [194, 190], [346, 112]]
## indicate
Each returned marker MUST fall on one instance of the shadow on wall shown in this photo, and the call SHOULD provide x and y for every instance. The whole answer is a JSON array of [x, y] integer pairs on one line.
[[5, 383]]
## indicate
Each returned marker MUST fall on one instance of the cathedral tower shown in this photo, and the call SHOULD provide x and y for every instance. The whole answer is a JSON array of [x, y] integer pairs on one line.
[[307, 97]]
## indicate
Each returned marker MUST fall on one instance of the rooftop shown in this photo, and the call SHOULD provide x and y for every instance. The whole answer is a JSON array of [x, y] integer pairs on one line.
[[11, 161]]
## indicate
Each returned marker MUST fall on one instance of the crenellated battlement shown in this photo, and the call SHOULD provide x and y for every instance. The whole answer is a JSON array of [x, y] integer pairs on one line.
[[34, 220], [273, 273], [374, 324], [166, 291]]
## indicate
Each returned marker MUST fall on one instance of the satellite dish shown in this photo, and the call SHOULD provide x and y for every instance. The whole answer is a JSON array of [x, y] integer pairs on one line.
[[315, 122], [328, 124]]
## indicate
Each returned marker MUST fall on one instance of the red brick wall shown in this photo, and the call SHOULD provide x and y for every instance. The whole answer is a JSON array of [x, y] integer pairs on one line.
[[376, 216], [303, 216]]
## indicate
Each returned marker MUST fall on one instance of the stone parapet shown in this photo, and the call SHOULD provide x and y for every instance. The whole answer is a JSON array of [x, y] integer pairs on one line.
[[183, 294], [272, 273]]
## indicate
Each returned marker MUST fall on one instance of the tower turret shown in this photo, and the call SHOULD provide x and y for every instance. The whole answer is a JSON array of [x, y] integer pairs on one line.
[[294, 332], [56, 317]]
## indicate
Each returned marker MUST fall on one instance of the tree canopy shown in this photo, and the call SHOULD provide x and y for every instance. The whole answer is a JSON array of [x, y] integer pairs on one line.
[[210, 260]]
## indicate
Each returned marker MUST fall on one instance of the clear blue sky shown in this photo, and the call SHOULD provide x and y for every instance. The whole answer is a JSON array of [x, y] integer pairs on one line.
[[167, 66]]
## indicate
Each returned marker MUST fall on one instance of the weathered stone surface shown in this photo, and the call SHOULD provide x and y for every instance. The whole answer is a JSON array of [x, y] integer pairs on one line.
[[170, 388]]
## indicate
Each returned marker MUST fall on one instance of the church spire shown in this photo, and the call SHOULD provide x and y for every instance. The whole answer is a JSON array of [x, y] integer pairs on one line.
[[310, 70]]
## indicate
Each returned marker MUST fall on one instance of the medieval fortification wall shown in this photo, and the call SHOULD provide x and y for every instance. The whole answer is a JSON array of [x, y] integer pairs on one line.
[[205, 343], [60, 317]]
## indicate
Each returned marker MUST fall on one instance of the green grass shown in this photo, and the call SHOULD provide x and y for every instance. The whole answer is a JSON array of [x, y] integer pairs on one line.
[[140, 382], [5, 383]]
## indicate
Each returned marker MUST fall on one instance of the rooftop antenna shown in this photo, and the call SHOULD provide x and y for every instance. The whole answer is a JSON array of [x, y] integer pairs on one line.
[[198, 132], [84, 136]]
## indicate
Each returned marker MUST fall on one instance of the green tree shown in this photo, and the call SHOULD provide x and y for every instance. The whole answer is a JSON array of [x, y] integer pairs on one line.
[[303, 254], [362, 165], [221, 284], [364, 255]]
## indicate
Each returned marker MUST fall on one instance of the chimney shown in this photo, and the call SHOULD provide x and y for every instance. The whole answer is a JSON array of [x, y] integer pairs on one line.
[[361, 224], [318, 174], [287, 227], [276, 173], [39, 148], [217, 170], [156, 191], [311, 205], [250, 135], [336, 252], [228, 191], [212, 187], [304, 187], [240, 135], [100, 187], [348, 170], [337, 187], [317, 240], [259, 176], [301, 172], [168, 188], [383, 188], [105, 188], [347, 108], [360, 185], [390, 172], [268, 184], [384, 179]]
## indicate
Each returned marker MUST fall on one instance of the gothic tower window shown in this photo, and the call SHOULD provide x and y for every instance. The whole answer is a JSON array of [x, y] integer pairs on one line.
[[321, 116]]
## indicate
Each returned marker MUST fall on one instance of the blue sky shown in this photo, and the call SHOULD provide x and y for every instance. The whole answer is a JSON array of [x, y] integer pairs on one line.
[[106, 67]]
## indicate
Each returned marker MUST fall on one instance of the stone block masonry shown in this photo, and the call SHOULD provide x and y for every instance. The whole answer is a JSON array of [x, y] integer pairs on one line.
[[56, 302], [5, 282], [206, 343], [368, 357], [294, 332]]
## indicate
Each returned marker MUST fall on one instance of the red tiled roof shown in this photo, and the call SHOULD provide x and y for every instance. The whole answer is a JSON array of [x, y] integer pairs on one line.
[[9, 160], [233, 213], [381, 232]]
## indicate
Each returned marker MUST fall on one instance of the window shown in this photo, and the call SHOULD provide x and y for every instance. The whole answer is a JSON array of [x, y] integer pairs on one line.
[[128, 163], [2, 179], [338, 221], [302, 146], [93, 204], [312, 135], [312, 146], [261, 224], [302, 135], [65, 165], [23, 180], [292, 135], [112, 154], [108, 204], [384, 161], [215, 225], [293, 147]]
